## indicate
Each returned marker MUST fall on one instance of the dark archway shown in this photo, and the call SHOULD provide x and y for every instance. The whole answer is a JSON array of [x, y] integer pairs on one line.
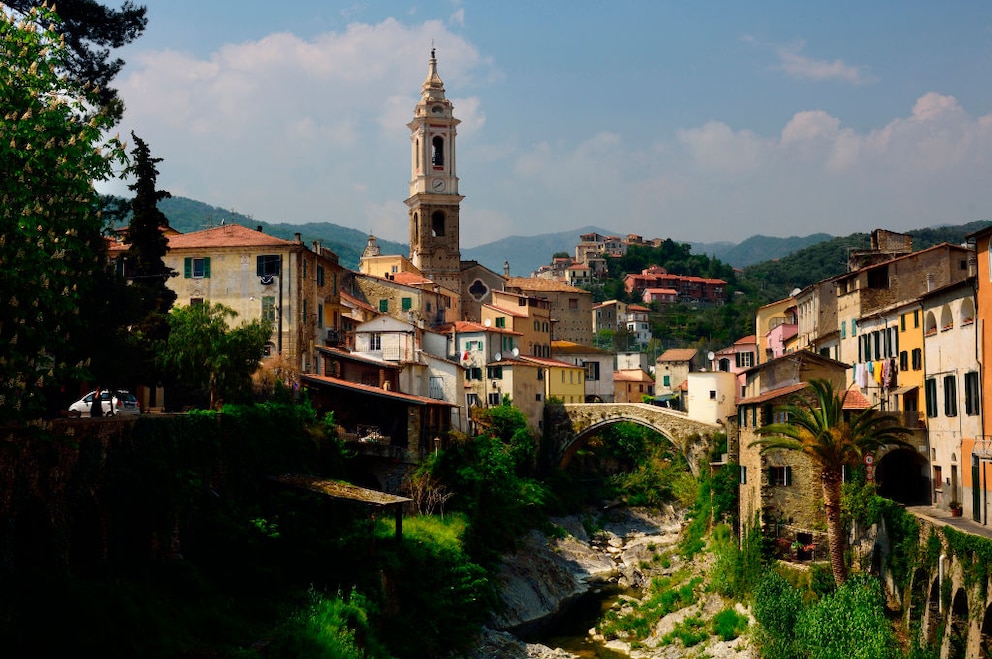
[[933, 613], [985, 646], [957, 638], [899, 475]]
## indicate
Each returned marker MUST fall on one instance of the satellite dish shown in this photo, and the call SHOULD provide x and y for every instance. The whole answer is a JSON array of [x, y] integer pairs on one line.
[[487, 322], [710, 355], [498, 356], [516, 352], [795, 292]]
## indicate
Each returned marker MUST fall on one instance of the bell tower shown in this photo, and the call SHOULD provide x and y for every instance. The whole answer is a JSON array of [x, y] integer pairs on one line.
[[434, 200]]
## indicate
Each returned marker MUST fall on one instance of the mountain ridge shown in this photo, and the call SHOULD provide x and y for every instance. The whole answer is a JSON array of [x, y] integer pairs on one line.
[[524, 253]]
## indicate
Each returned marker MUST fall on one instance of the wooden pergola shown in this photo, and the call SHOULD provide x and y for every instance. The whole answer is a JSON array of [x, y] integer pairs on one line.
[[343, 491]]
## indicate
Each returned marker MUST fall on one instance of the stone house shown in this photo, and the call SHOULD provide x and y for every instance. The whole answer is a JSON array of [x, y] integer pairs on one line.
[[671, 370], [781, 487], [263, 277], [632, 385], [406, 296], [570, 307]]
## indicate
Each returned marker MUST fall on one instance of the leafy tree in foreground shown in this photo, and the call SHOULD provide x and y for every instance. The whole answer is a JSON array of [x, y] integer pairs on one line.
[[203, 352], [52, 148], [90, 30], [830, 437]]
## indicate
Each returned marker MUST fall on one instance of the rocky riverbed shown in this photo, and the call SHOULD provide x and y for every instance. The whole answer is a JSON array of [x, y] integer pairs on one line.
[[546, 573]]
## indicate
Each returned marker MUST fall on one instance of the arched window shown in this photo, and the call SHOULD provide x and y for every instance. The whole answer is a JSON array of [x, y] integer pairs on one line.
[[437, 151], [946, 319], [967, 311], [929, 324], [437, 223]]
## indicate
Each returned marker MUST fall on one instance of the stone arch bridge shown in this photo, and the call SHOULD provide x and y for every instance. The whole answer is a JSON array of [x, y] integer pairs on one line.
[[573, 424]]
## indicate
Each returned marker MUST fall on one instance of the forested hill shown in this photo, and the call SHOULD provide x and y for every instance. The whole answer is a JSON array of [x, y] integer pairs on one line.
[[776, 278], [188, 215]]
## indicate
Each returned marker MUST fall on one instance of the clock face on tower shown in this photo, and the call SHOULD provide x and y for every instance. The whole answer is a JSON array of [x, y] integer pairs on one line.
[[437, 185]]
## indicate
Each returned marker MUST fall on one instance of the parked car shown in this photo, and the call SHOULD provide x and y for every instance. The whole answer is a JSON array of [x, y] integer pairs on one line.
[[119, 401]]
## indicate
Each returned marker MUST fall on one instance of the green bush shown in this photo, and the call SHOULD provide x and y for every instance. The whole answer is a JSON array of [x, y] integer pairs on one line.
[[777, 608], [728, 624], [328, 628], [849, 623]]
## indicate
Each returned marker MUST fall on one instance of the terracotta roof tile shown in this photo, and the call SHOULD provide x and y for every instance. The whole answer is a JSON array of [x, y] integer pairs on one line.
[[227, 235], [677, 355], [537, 284]]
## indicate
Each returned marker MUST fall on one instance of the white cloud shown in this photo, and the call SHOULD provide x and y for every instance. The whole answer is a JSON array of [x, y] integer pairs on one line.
[[797, 65]]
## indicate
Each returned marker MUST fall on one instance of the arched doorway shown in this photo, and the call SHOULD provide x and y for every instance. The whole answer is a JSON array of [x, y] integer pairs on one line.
[[957, 638], [899, 475]]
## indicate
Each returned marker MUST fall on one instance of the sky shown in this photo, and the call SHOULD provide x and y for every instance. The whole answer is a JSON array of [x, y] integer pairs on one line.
[[696, 121]]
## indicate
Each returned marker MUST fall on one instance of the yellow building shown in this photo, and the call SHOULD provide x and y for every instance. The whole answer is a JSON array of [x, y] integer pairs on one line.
[[262, 277], [529, 316], [563, 381]]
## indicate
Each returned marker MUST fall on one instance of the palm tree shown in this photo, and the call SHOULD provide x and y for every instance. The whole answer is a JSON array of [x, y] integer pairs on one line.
[[820, 429]]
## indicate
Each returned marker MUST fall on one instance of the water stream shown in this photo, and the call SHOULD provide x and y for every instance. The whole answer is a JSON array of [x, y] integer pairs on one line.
[[569, 630]]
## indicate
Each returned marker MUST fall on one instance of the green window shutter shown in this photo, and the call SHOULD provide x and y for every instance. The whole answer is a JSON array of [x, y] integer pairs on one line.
[[384, 306], [407, 303], [206, 267], [187, 267], [788, 475]]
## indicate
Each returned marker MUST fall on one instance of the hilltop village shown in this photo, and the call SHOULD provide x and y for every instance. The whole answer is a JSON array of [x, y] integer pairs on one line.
[[405, 349]]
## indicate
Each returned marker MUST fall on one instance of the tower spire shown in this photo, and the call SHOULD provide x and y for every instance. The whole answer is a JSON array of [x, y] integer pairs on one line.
[[433, 87]]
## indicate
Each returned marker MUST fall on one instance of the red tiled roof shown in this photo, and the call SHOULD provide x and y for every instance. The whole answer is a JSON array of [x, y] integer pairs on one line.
[[538, 284], [227, 235], [410, 278], [774, 393], [345, 297], [472, 326], [632, 375], [677, 355], [751, 339], [855, 400], [546, 361]]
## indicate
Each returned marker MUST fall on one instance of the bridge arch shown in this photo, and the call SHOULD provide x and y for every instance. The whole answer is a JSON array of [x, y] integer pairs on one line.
[[582, 438], [575, 423]]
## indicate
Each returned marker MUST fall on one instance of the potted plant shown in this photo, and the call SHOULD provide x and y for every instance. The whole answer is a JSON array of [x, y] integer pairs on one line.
[[955, 508]]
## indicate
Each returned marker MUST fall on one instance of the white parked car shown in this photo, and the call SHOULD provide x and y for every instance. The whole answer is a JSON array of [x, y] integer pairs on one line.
[[121, 402]]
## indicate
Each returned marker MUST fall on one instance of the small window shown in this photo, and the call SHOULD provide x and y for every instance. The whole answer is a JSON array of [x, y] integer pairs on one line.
[[375, 342], [712, 394], [494, 372], [269, 309], [196, 268], [930, 390], [493, 399], [950, 396], [780, 476], [320, 275], [384, 306], [537, 397], [743, 475], [917, 359], [972, 393], [406, 303], [501, 322], [267, 265]]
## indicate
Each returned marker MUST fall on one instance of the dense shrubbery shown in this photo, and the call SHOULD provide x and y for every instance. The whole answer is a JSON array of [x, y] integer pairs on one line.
[[849, 622]]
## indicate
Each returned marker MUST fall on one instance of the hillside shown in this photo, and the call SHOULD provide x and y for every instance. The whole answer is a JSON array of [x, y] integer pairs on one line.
[[188, 215], [777, 265]]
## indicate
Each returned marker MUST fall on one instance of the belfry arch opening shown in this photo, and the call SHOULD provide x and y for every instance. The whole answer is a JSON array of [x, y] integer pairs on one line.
[[437, 224], [437, 151]]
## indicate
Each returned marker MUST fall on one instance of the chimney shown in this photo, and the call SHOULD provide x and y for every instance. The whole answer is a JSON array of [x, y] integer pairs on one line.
[[506, 269], [298, 237], [259, 229]]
